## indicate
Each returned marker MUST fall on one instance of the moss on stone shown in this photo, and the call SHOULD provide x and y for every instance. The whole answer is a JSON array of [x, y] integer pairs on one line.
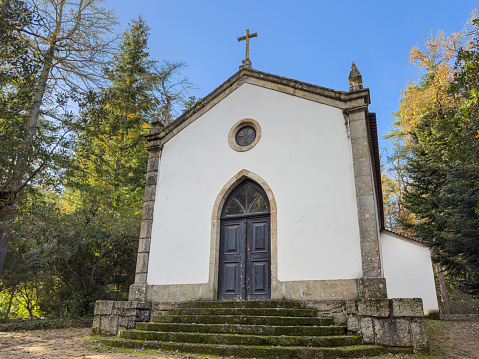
[[241, 319]]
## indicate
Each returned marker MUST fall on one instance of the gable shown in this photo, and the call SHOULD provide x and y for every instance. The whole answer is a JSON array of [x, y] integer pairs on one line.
[[339, 99]]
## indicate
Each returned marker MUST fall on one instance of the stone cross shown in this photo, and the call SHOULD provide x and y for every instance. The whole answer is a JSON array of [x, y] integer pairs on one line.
[[247, 36]]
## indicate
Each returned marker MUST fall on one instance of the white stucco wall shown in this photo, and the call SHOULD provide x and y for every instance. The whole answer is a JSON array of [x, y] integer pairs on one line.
[[304, 155], [408, 270]]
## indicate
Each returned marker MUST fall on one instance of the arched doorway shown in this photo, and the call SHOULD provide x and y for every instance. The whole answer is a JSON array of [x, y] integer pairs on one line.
[[245, 245]]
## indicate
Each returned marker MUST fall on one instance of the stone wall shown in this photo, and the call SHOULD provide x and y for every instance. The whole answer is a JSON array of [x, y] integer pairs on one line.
[[392, 323], [112, 316]]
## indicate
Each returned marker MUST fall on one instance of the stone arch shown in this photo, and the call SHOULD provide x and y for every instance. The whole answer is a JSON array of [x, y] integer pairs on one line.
[[276, 291]]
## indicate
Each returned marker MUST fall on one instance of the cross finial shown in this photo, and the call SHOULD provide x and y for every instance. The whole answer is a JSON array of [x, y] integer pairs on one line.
[[247, 36]]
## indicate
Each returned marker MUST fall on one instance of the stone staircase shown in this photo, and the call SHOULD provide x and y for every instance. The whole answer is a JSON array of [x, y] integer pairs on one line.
[[246, 330]]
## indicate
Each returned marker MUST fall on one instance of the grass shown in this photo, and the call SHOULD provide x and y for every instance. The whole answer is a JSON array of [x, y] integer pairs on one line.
[[24, 324]]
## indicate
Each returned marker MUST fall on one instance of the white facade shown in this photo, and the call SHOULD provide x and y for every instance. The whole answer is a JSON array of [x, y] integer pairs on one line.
[[304, 155], [408, 270], [317, 162]]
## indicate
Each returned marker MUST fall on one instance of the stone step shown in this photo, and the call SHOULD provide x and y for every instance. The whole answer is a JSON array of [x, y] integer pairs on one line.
[[243, 329], [278, 312], [237, 339], [241, 351], [242, 319], [247, 304]]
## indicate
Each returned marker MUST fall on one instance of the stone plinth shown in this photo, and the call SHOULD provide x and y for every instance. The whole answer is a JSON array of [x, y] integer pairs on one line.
[[112, 316], [396, 323]]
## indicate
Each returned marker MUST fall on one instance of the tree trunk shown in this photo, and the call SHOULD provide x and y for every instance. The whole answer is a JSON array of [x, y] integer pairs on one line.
[[12, 294], [7, 209], [444, 304]]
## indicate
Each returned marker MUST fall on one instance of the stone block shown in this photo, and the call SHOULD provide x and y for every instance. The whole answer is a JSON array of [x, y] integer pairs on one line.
[[419, 337], [136, 304], [311, 290], [144, 245], [151, 179], [372, 288], [96, 324], [207, 290], [145, 229], [356, 115], [340, 319], [150, 192], [122, 304], [142, 315], [372, 270], [337, 289], [378, 307], [175, 293], [109, 325], [364, 185], [161, 306], [148, 210], [353, 324], [351, 306], [407, 307], [138, 292], [103, 307], [358, 129], [392, 332], [367, 330], [292, 290], [140, 278], [142, 262], [123, 323], [366, 211], [360, 147], [370, 251], [153, 162], [362, 166], [326, 307], [276, 288]]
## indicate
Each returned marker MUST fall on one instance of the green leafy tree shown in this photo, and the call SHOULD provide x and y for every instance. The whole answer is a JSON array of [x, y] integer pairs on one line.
[[51, 49], [437, 121]]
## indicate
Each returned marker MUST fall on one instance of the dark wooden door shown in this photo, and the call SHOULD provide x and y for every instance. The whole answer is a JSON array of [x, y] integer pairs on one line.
[[245, 257]]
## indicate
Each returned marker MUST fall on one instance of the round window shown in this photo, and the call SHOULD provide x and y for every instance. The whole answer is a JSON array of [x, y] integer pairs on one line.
[[244, 135]]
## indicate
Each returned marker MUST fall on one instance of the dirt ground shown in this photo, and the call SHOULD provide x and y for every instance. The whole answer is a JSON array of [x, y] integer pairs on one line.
[[458, 340], [56, 343]]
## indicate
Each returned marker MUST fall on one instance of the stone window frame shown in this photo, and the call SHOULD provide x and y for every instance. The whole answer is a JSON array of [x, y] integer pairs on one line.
[[236, 127]]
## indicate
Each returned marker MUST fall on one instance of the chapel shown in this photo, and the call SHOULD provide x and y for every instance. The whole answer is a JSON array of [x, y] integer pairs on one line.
[[269, 189]]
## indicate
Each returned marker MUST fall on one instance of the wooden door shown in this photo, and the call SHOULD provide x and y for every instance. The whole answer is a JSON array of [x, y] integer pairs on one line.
[[245, 246]]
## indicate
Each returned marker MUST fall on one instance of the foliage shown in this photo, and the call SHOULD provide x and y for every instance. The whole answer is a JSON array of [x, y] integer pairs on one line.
[[75, 234], [437, 124], [53, 49]]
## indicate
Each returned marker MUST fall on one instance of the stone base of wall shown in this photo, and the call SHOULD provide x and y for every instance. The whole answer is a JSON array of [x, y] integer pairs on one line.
[[112, 316], [396, 323], [303, 291]]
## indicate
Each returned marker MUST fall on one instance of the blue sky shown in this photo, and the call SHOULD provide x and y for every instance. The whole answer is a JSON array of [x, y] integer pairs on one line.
[[310, 41]]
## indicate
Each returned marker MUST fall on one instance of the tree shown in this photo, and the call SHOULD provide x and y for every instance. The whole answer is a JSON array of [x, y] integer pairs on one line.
[[437, 122], [62, 44]]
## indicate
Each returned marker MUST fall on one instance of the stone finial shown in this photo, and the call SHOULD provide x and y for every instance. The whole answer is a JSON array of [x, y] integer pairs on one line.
[[158, 119], [355, 79], [158, 122]]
